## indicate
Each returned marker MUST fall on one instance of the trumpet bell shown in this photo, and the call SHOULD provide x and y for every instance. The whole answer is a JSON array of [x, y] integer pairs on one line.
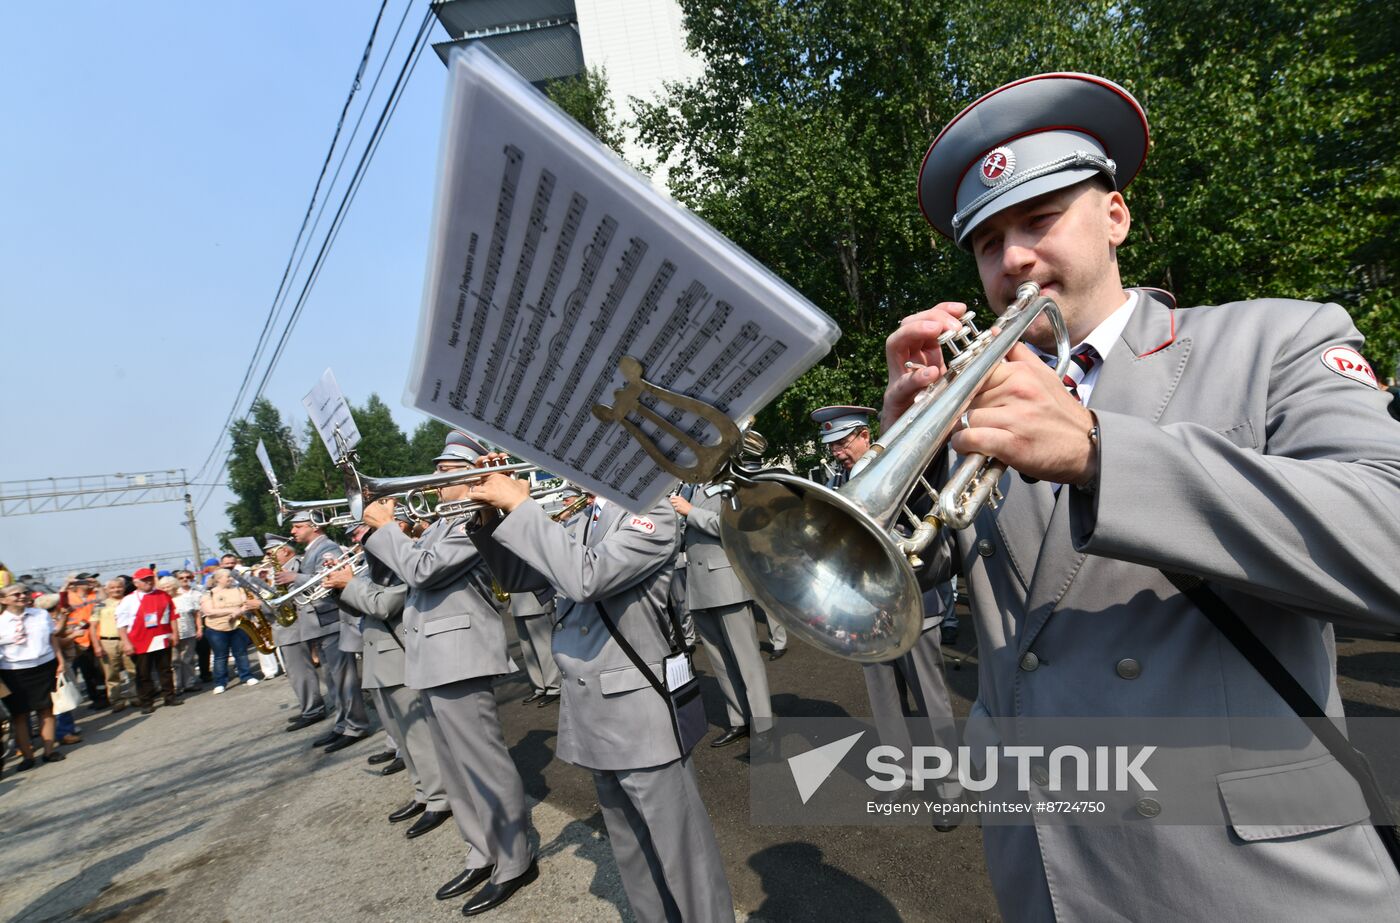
[[831, 574]]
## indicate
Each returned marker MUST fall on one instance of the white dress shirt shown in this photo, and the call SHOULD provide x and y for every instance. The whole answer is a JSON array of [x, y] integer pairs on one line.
[[37, 644]]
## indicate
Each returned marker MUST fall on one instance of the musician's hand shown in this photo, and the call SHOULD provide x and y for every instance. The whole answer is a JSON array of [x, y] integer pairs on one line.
[[681, 505], [503, 492], [339, 579], [379, 513], [250, 604], [493, 459], [1024, 417], [916, 342], [283, 578]]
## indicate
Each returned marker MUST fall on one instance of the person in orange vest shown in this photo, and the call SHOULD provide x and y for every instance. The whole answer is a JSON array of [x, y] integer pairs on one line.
[[146, 624], [79, 596]]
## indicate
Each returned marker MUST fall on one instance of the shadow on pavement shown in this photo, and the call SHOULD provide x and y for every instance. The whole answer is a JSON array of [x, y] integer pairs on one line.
[[839, 895]]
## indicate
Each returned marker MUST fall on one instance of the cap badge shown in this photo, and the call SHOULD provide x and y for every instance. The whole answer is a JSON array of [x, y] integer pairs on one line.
[[997, 166]]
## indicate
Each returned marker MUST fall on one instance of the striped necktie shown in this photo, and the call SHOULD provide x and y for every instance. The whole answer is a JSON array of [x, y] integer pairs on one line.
[[1081, 362]]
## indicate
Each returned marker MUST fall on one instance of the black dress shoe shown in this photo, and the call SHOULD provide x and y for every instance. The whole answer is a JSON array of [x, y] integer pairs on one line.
[[464, 882], [531, 697], [300, 723], [345, 741], [54, 757], [26, 764], [777, 655], [148, 709], [173, 701], [383, 756], [430, 820], [548, 699], [730, 736], [497, 893], [412, 809], [396, 766], [329, 737]]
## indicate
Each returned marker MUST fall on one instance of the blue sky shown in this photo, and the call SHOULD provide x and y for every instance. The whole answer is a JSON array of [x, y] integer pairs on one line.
[[155, 163]]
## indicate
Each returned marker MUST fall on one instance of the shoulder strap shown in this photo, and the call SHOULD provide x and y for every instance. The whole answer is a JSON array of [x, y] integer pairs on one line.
[[1229, 624], [641, 665]]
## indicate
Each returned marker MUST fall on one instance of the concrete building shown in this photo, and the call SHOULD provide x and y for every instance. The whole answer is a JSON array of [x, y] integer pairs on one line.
[[640, 44]]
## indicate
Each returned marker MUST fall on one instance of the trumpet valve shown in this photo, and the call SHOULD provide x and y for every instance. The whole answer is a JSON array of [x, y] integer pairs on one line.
[[948, 341]]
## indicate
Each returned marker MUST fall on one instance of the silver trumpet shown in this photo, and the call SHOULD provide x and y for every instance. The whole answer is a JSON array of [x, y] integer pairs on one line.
[[838, 566], [324, 513], [315, 589], [414, 490]]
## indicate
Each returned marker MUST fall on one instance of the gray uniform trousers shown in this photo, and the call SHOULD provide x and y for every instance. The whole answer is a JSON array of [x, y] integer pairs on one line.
[[401, 709], [660, 832], [534, 626], [455, 647], [921, 671], [666, 799], [777, 634], [483, 786], [343, 676], [730, 637], [406, 721], [302, 674]]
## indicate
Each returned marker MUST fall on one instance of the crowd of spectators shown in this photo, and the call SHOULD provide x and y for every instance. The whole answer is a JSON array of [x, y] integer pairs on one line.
[[98, 647]]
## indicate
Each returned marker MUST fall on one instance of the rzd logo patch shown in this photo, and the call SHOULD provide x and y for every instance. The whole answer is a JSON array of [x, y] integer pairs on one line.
[[641, 522], [1348, 363]]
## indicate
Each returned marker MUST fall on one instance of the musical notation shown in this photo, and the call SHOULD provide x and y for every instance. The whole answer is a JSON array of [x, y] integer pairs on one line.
[[601, 266]]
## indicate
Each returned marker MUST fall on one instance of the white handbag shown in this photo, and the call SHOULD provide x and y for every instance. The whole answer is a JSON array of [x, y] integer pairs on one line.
[[65, 697]]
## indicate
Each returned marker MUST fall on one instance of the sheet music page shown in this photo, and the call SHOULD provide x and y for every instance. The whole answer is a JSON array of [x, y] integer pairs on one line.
[[551, 261], [330, 412], [246, 547]]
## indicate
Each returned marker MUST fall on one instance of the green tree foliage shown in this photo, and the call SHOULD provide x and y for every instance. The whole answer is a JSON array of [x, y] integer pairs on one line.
[[253, 511], [425, 445], [585, 97], [1272, 170]]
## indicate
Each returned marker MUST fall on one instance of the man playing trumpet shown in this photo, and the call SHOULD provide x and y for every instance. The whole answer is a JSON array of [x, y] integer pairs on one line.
[[1246, 444]]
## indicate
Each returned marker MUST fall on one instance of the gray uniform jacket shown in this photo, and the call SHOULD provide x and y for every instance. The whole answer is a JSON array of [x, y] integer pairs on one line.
[[325, 612], [1231, 448], [382, 609], [610, 716], [453, 630], [710, 578]]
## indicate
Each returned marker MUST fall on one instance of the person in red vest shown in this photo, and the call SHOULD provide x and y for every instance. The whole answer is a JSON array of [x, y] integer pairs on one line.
[[146, 624]]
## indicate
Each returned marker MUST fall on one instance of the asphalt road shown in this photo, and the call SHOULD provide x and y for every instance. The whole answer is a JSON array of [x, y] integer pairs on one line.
[[212, 812]]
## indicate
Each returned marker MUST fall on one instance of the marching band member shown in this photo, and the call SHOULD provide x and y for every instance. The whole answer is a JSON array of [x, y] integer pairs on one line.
[[1245, 444], [612, 721], [342, 671], [456, 645], [724, 616], [295, 642], [378, 595], [845, 431]]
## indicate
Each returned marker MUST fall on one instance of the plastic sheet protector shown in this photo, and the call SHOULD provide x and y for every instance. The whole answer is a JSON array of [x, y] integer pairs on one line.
[[550, 261]]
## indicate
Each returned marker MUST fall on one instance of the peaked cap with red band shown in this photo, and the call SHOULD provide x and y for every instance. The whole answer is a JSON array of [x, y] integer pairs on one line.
[[1025, 139]]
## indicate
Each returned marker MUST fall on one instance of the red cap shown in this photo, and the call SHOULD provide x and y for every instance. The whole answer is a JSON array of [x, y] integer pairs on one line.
[[144, 573]]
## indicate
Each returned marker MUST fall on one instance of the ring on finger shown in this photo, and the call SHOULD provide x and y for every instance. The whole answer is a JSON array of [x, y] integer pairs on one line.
[[965, 423]]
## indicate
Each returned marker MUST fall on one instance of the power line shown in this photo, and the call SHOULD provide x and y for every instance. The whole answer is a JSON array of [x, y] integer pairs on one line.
[[352, 188], [366, 157], [286, 272]]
